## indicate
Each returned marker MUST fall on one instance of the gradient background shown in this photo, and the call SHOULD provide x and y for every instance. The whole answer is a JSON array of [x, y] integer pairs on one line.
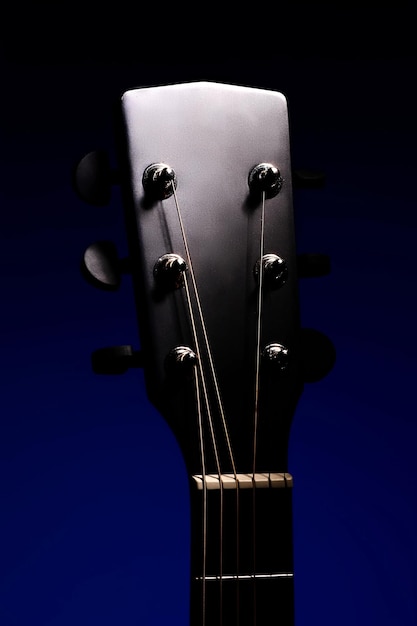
[[94, 511]]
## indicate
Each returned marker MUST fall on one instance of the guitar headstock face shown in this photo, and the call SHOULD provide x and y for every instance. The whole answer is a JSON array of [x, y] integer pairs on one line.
[[206, 181]]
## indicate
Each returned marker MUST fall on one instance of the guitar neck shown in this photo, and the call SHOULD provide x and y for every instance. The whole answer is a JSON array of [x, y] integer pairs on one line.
[[205, 175], [241, 550], [206, 181]]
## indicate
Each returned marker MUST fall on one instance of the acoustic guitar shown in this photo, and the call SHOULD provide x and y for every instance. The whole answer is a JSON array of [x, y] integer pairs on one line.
[[207, 188]]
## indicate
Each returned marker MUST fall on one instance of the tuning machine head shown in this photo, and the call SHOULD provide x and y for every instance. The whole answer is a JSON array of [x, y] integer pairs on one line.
[[308, 179], [159, 181], [274, 269], [276, 357], [180, 363], [115, 360], [102, 267], [318, 355], [169, 271], [93, 178], [265, 178]]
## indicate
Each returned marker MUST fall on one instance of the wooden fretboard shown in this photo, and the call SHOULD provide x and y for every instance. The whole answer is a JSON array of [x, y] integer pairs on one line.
[[245, 576]]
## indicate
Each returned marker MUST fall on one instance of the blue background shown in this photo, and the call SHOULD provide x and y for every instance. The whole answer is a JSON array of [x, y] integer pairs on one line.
[[94, 511]]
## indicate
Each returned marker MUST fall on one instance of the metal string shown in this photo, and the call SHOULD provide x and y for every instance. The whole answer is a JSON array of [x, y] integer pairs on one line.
[[206, 340], [206, 398], [199, 374], [257, 385], [258, 334]]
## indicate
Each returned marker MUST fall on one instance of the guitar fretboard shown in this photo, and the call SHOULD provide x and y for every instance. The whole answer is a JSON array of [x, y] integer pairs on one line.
[[244, 576]]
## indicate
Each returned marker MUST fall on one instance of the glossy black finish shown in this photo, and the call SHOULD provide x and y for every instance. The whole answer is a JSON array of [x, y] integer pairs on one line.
[[265, 177], [93, 178], [275, 271], [310, 265], [115, 360], [101, 266], [211, 135], [308, 179], [276, 356], [169, 271], [159, 181], [318, 355]]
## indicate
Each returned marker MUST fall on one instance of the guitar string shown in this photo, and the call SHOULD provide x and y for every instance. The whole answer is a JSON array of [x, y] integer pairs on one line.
[[256, 408], [199, 372], [257, 385], [206, 340], [194, 330], [203, 471], [219, 402], [202, 448], [258, 333], [213, 438]]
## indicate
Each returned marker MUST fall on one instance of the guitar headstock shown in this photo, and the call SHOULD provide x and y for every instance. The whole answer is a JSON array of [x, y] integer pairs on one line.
[[207, 188]]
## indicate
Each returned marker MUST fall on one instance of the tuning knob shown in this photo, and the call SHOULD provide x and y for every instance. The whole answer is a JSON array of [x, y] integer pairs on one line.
[[308, 179], [276, 356], [313, 264], [115, 360], [318, 355], [101, 266], [93, 178], [265, 177]]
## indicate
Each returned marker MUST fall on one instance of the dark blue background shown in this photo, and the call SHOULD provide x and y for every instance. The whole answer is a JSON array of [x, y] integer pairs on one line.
[[94, 511]]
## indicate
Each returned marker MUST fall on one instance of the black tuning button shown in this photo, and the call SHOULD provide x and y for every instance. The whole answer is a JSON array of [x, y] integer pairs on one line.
[[181, 361], [308, 179], [276, 357], [101, 266], [275, 271], [313, 264], [265, 177], [318, 355], [169, 271], [93, 178], [159, 181], [115, 360]]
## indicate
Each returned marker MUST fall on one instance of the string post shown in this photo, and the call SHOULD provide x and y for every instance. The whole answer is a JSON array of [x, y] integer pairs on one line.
[[169, 271], [181, 361], [276, 355], [266, 178], [159, 181], [274, 269]]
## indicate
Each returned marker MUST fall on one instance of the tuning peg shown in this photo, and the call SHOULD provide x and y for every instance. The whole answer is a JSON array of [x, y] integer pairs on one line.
[[115, 360], [313, 264], [308, 179], [101, 266], [93, 178], [318, 355]]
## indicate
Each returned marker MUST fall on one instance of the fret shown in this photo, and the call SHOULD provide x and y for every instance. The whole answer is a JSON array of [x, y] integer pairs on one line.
[[267, 602], [238, 577]]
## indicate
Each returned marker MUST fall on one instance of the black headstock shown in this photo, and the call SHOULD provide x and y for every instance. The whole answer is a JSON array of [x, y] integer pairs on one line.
[[207, 189], [197, 161], [207, 185]]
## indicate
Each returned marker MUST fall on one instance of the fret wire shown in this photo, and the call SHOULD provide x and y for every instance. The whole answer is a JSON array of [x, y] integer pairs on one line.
[[238, 577]]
